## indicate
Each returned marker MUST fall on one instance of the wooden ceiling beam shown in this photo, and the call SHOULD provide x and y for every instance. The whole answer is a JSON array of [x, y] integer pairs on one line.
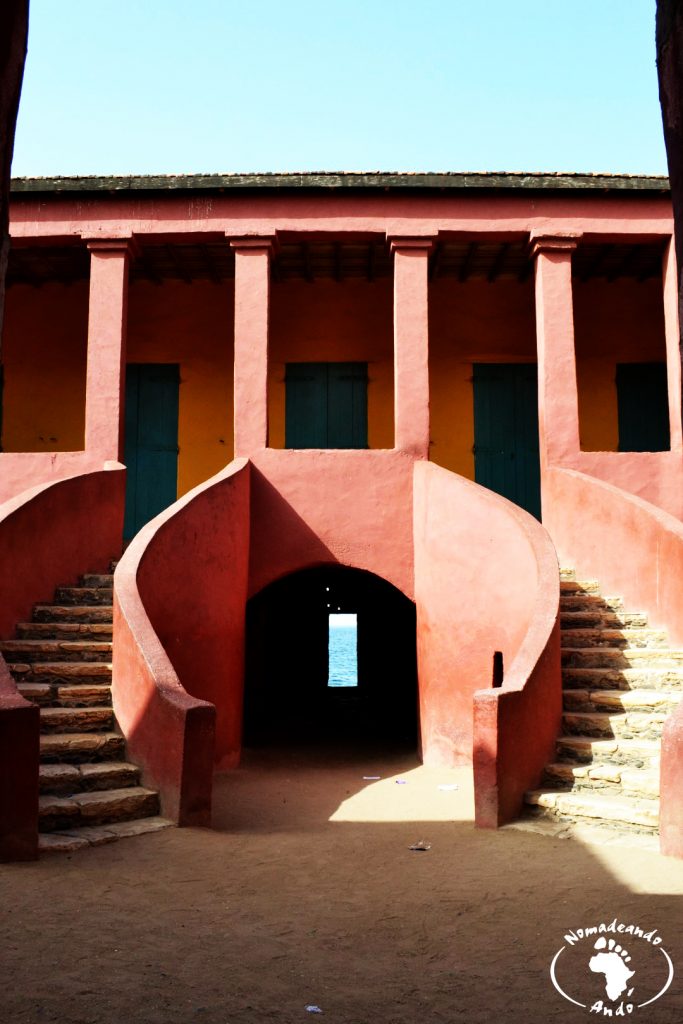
[[210, 264], [497, 264], [177, 265], [467, 262], [592, 269]]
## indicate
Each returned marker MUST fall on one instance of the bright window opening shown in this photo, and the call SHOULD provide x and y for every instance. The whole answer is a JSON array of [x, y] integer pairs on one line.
[[342, 649]]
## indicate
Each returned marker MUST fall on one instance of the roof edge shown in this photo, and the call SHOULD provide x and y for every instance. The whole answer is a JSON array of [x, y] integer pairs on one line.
[[503, 180]]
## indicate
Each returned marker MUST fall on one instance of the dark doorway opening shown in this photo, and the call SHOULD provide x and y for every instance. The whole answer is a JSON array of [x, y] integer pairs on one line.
[[293, 691]]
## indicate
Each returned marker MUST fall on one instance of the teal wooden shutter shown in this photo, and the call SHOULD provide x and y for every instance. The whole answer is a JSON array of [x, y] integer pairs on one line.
[[151, 441], [506, 457], [326, 405], [643, 407]]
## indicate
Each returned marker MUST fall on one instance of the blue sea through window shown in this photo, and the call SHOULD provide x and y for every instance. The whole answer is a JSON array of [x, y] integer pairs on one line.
[[343, 649]]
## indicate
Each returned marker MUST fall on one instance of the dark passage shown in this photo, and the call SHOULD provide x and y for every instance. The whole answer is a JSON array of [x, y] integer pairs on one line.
[[287, 696]]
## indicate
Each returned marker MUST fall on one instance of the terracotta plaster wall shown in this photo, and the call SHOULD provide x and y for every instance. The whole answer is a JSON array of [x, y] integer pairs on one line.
[[190, 324], [614, 322], [478, 576], [44, 348], [471, 322], [334, 321]]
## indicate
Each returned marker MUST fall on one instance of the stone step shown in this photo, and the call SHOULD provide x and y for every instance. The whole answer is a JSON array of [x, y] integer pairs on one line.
[[81, 746], [590, 602], [84, 595], [64, 630], [622, 679], [68, 672], [579, 587], [637, 753], [589, 832], [96, 579], [567, 574], [87, 613], [617, 657], [600, 619], [621, 700], [610, 778], [643, 814], [48, 695], [96, 808], [33, 651], [95, 835], [66, 779], [78, 720], [626, 725], [615, 638]]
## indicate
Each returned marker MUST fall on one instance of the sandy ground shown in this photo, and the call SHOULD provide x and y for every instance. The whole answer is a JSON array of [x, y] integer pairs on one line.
[[306, 893]]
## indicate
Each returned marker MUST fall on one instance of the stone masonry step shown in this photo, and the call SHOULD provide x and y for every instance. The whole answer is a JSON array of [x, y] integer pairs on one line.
[[68, 672], [636, 753], [97, 579], [67, 779], [606, 778], [79, 720], [590, 602], [64, 630], [615, 657], [621, 700], [48, 695], [81, 747], [642, 814], [71, 840], [600, 619], [622, 679], [96, 808], [631, 638], [629, 725], [84, 595], [73, 613], [33, 651], [579, 587]]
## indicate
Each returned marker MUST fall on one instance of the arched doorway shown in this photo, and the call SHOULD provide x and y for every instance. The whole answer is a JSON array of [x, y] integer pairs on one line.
[[331, 657]]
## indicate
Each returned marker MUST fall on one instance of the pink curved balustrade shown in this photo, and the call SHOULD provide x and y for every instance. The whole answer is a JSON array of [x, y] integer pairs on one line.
[[636, 550], [48, 536], [179, 605], [486, 579]]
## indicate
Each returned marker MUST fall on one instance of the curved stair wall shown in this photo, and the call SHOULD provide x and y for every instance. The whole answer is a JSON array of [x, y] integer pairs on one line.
[[636, 550], [47, 534], [179, 604], [486, 580]]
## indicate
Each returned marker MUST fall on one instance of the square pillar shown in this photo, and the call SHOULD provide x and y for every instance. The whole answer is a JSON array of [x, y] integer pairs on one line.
[[411, 345], [673, 344], [107, 321], [558, 397], [252, 301]]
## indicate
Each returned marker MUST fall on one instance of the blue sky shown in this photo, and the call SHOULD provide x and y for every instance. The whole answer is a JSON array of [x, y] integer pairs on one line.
[[173, 86]]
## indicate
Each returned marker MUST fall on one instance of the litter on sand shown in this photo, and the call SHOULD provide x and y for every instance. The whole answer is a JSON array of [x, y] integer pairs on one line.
[[369, 778], [447, 787], [312, 1008], [401, 782], [420, 846]]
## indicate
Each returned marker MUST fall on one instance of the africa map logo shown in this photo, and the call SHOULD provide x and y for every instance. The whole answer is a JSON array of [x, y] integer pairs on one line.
[[633, 968]]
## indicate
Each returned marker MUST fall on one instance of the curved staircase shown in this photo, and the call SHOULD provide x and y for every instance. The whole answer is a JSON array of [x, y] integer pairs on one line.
[[61, 660], [620, 682]]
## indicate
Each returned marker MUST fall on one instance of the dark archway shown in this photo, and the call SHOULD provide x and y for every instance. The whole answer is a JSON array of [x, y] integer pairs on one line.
[[289, 695]]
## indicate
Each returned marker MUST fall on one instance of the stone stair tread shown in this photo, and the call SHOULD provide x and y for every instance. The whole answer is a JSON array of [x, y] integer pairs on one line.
[[579, 586], [63, 669], [70, 840], [75, 744], [88, 613], [76, 719], [57, 646], [64, 630], [84, 595], [641, 636], [625, 699], [638, 811], [601, 677], [600, 745], [601, 619], [593, 834], [71, 778], [644, 781], [97, 579], [597, 601], [88, 806]]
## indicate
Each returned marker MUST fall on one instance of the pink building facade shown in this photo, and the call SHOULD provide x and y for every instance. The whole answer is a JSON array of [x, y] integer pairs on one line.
[[349, 360]]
